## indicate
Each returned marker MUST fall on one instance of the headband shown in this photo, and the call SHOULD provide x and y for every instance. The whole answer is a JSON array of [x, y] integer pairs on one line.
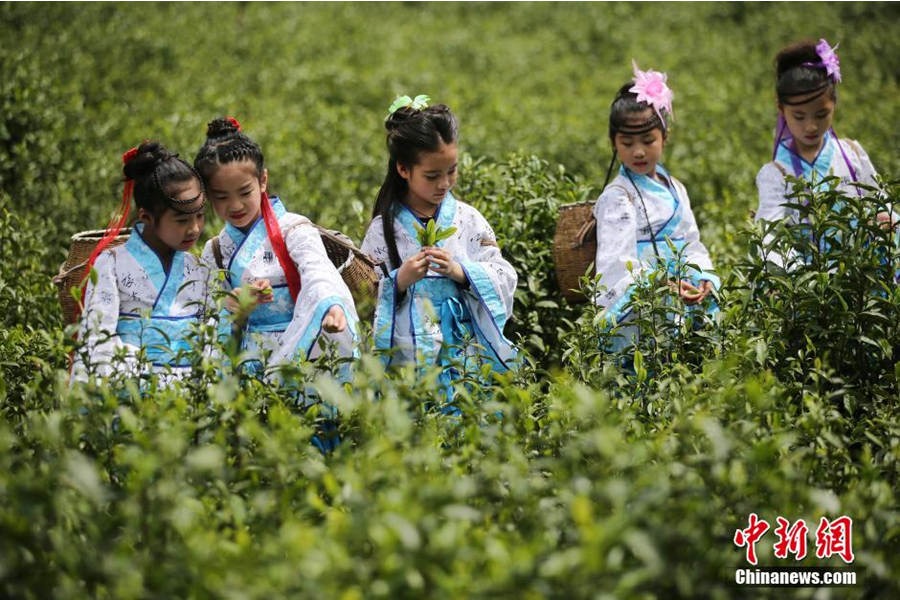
[[828, 60]]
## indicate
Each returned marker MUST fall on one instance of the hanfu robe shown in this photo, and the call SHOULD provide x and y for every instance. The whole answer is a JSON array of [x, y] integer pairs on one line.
[[626, 236], [832, 160], [289, 330], [136, 304], [431, 321]]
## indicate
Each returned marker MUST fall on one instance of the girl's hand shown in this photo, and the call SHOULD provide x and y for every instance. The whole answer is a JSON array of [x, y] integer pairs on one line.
[[335, 320], [886, 221], [412, 270], [443, 264], [242, 302], [691, 294], [263, 291]]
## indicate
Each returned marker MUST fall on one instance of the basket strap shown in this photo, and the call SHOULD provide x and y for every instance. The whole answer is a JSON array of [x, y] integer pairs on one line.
[[780, 168], [588, 230], [217, 253]]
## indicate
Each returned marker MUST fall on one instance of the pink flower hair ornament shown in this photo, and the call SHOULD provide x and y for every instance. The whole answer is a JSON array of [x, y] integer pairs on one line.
[[650, 87], [828, 60]]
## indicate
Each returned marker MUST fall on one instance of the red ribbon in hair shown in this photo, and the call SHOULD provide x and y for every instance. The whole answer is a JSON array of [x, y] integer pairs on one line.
[[113, 228], [234, 122], [277, 240]]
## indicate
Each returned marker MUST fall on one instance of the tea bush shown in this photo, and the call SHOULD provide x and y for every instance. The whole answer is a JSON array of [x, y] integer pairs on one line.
[[588, 474]]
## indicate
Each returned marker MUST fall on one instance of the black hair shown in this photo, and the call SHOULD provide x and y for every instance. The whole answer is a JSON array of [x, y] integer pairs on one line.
[[410, 132], [226, 143], [623, 107], [795, 77], [153, 170]]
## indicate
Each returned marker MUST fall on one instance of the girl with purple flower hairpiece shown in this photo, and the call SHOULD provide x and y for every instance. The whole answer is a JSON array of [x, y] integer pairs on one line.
[[806, 145], [644, 217]]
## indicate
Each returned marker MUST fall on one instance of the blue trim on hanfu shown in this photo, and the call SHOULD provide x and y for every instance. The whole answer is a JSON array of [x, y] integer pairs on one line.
[[250, 244], [479, 283], [387, 305], [146, 258], [821, 164], [314, 329], [443, 217]]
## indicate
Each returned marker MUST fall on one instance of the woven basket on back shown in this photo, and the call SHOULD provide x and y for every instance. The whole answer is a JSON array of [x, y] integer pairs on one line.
[[574, 248], [71, 272], [356, 269]]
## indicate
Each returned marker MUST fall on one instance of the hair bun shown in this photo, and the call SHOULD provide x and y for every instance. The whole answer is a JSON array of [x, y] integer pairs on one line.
[[795, 55], [222, 128], [397, 118], [149, 156]]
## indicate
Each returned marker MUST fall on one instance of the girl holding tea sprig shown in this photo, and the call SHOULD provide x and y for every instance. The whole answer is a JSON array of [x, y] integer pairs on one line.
[[644, 211], [445, 286], [806, 146]]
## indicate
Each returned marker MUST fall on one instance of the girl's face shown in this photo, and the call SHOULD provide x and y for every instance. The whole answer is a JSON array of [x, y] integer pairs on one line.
[[175, 230], [431, 178], [809, 121], [641, 152], [236, 192]]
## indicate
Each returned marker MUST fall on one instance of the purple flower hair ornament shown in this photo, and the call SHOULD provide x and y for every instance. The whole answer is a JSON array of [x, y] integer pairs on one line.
[[828, 59], [650, 87]]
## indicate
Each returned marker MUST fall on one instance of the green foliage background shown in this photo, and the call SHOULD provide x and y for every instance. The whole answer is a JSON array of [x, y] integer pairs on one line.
[[591, 485]]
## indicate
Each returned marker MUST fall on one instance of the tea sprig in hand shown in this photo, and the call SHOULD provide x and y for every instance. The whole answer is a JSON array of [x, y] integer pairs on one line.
[[431, 234]]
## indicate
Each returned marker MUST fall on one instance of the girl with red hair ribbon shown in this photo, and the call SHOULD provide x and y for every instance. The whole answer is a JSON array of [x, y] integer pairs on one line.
[[278, 255], [146, 294]]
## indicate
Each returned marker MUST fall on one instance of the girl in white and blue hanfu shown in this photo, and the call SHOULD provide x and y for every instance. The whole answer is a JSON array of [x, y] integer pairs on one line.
[[148, 294], [806, 146], [447, 301], [286, 328], [644, 217], [300, 298]]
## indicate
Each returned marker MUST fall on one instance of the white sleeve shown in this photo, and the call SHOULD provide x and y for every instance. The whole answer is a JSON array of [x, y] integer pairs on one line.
[[695, 252], [865, 170], [321, 287], [773, 190], [375, 246], [483, 249], [617, 260], [99, 319]]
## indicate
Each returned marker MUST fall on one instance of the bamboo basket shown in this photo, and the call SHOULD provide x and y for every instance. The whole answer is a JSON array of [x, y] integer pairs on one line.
[[71, 272], [356, 269], [574, 248]]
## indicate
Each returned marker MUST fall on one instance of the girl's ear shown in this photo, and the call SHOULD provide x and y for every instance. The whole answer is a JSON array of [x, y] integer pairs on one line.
[[780, 108], [264, 181], [404, 172], [145, 217]]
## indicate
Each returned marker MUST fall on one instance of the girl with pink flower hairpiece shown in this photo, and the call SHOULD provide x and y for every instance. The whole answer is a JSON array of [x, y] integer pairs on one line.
[[644, 217], [806, 146]]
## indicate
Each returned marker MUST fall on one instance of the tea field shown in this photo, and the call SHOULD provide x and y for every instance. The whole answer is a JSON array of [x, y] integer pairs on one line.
[[581, 476]]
